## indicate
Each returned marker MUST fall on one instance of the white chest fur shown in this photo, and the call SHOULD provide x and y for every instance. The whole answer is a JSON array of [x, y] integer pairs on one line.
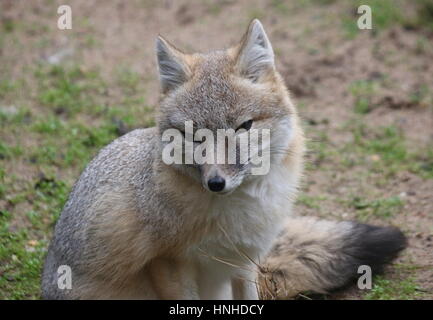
[[250, 218]]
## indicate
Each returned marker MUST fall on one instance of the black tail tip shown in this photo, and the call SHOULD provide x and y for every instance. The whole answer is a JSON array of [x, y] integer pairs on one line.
[[375, 246], [365, 245]]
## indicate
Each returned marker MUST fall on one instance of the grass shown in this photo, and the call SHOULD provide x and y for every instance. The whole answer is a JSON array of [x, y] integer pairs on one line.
[[67, 90], [388, 13], [379, 208], [21, 260], [68, 122], [23, 248], [423, 162], [14, 116], [128, 79], [423, 17], [385, 289], [383, 149], [79, 140], [9, 152], [6, 86], [312, 202], [385, 13], [319, 149], [363, 92], [387, 142]]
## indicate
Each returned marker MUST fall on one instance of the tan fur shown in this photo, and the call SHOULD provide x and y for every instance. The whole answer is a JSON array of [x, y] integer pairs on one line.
[[283, 280], [130, 235], [137, 228]]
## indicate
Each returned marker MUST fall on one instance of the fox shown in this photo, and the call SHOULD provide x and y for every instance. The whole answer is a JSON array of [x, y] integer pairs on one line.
[[135, 227]]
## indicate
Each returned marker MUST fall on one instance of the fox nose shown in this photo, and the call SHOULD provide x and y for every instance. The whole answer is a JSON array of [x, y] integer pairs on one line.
[[216, 184]]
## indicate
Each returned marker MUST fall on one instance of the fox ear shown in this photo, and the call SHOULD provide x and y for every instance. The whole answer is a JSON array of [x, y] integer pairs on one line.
[[255, 55], [173, 70]]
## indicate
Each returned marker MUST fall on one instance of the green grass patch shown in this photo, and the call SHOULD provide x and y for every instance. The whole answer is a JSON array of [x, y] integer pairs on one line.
[[423, 164], [379, 208], [128, 80], [77, 143], [7, 87], [388, 13], [21, 259], [14, 116], [384, 289], [49, 126], [319, 149], [423, 19], [385, 13], [67, 90], [363, 92], [9, 152], [387, 142], [310, 201], [23, 245], [50, 194], [71, 119], [2, 182], [383, 149]]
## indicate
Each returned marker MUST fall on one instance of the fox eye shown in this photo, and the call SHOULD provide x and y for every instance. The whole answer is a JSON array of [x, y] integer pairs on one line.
[[246, 125]]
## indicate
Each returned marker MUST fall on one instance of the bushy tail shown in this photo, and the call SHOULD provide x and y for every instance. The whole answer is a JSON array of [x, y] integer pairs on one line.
[[320, 256]]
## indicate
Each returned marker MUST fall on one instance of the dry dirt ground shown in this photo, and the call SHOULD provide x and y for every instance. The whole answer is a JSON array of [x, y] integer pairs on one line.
[[365, 97]]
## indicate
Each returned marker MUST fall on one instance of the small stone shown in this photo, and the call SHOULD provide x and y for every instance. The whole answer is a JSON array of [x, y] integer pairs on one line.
[[32, 243], [9, 110], [60, 55], [374, 157]]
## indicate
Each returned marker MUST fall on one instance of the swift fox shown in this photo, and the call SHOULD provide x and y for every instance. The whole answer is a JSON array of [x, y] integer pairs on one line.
[[135, 227]]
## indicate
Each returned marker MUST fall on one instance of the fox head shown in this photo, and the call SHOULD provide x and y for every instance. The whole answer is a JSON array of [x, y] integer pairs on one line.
[[237, 90]]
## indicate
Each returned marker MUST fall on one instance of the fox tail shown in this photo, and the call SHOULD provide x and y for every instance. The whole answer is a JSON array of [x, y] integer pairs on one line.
[[320, 256]]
